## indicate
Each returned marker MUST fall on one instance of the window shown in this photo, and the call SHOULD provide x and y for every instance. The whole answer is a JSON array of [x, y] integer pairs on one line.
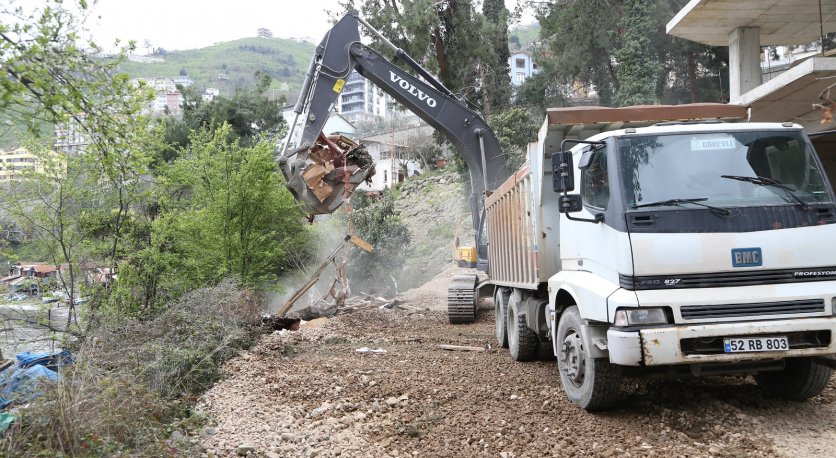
[[595, 187], [692, 166], [520, 77], [385, 176], [520, 63]]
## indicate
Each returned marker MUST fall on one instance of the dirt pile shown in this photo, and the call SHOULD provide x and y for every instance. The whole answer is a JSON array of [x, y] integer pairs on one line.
[[310, 393]]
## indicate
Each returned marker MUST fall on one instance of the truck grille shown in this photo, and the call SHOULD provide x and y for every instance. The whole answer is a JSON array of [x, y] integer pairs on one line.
[[692, 312], [724, 279]]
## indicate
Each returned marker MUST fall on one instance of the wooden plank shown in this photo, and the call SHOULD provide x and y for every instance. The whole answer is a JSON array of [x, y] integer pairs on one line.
[[460, 348], [308, 284], [361, 243]]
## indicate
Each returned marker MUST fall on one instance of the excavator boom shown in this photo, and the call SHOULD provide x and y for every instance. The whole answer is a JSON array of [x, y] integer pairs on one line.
[[322, 172]]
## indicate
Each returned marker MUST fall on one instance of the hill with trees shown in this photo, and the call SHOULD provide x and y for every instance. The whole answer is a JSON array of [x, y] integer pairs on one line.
[[231, 65]]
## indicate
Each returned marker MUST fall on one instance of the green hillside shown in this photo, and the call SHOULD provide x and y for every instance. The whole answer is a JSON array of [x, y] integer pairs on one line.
[[284, 60], [523, 37]]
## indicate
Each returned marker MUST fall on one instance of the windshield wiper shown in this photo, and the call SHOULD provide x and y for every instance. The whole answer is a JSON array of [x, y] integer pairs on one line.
[[765, 181], [679, 202]]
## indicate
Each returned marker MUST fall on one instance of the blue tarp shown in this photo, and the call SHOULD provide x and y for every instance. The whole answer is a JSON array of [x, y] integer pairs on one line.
[[52, 360], [21, 384]]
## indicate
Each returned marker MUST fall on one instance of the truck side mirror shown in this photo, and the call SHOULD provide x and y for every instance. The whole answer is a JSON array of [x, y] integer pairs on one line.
[[570, 203], [563, 174]]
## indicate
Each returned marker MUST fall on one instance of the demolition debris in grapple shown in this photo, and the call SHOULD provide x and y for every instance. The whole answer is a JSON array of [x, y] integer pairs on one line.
[[326, 174]]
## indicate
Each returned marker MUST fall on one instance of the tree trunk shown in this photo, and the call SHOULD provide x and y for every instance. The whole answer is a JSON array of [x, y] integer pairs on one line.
[[692, 76]]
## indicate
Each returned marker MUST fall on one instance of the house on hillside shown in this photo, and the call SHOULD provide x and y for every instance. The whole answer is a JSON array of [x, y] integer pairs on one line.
[[31, 278], [522, 67], [394, 155], [15, 163]]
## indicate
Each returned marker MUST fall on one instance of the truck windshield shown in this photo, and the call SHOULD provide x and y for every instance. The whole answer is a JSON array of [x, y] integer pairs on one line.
[[692, 166]]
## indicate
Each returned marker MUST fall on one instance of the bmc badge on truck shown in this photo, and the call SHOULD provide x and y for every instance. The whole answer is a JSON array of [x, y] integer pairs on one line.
[[746, 257]]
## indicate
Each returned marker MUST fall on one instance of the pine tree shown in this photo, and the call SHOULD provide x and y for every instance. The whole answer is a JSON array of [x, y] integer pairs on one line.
[[496, 74], [638, 65]]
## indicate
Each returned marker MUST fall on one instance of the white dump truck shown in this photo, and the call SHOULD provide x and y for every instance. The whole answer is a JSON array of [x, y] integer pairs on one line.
[[663, 244], [665, 241]]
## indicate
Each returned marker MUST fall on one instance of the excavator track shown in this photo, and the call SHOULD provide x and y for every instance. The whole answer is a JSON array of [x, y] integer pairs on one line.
[[461, 299]]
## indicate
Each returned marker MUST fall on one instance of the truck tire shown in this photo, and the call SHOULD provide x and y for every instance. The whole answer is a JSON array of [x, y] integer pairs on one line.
[[802, 379], [522, 341], [500, 301], [591, 383]]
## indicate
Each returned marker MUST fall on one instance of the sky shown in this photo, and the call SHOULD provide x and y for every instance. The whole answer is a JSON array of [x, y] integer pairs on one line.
[[188, 24]]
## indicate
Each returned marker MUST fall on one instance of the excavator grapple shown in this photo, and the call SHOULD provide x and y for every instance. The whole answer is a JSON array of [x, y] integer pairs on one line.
[[326, 174]]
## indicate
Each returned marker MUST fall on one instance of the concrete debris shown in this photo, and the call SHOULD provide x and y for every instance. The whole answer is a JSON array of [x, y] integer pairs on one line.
[[245, 449]]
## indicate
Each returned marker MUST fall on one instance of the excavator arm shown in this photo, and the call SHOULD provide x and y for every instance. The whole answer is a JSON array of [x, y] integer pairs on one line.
[[323, 184]]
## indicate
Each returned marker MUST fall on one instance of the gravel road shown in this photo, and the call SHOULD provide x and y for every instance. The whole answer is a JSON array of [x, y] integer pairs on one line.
[[309, 393]]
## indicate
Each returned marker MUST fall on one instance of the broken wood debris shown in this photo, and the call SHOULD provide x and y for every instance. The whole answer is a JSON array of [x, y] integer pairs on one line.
[[461, 348]]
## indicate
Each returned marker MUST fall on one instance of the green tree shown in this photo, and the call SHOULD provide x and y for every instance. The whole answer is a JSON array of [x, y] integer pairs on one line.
[[249, 113], [620, 50], [51, 75], [445, 36], [221, 210], [51, 204], [496, 74], [638, 68], [379, 224], [515, 128]]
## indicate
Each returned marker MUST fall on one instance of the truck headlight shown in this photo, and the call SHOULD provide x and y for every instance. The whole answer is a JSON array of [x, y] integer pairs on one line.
[[632, 317]]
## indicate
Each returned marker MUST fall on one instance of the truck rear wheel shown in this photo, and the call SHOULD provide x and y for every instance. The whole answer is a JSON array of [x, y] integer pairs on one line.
[[591, 383], [522, 341], [500, 301], [802, 379]]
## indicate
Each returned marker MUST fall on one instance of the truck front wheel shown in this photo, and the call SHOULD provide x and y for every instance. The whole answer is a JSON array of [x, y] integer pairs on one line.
[[802, 379], [593, 384]]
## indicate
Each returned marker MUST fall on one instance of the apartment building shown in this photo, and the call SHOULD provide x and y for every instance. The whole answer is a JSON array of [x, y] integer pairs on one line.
[[15, 163]]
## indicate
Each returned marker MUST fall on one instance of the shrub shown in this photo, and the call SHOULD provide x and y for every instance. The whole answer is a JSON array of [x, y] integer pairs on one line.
[[135, 377]]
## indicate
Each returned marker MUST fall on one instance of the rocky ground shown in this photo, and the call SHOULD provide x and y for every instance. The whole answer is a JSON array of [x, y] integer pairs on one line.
[[310, 393]]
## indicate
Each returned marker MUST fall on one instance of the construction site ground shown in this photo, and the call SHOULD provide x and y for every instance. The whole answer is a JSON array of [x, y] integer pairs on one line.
[[311, 393]]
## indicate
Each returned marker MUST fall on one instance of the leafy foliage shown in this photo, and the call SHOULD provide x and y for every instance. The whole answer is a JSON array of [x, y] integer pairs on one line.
[[448, 37], [222, 210], [515, 128], [377, 223], [625, 56], [249, 113]]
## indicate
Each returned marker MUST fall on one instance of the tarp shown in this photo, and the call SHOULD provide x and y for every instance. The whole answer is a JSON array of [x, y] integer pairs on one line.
[[23, 384], [53, 360]]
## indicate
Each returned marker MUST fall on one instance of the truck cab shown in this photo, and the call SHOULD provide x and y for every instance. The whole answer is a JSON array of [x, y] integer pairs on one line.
[[694, 248]]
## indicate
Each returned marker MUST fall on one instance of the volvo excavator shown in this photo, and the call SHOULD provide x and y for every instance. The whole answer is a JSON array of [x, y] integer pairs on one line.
[[323, 171]]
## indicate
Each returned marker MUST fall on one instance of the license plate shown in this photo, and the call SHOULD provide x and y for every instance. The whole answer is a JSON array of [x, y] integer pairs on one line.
[[747, 344]]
